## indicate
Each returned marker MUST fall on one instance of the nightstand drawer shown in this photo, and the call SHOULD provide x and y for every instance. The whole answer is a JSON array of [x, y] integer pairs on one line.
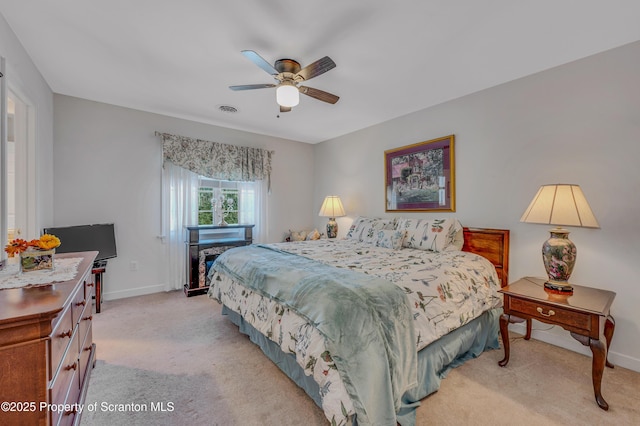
[[542, 311]]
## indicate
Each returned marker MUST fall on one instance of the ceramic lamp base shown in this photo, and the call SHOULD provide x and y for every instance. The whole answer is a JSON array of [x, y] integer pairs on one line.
[[559, 257], [332, 228]]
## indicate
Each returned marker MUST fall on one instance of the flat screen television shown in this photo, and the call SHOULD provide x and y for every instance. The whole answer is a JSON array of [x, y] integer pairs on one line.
[[100, 237]]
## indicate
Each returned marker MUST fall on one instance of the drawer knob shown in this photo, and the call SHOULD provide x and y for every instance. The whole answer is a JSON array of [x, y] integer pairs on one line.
[[84, 302], [89, 318], [89, 284], [67, 333], [549, 314], [73, 366]]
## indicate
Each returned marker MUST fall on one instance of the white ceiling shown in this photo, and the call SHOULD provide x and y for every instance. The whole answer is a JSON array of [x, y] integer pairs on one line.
[[393, 57]]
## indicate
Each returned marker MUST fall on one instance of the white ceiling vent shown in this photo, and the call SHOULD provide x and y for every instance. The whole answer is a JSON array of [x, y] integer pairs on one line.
[[228, 109]]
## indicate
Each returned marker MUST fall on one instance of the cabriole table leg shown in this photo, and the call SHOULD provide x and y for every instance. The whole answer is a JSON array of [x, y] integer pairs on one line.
[[504, 333]]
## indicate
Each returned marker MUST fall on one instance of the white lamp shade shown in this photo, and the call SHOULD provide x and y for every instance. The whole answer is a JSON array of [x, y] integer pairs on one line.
[[287, 95], [562, 205], [331, 207]]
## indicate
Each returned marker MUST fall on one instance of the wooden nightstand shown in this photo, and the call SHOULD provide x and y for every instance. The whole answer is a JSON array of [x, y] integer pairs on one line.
[[585, 314]]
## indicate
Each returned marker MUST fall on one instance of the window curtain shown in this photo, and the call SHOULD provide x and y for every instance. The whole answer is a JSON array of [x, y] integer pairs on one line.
[[179, 209], [253, 208], [185, 159], [217, 160]]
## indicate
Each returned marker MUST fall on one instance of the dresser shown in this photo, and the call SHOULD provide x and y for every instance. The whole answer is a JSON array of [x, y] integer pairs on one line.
[[205, 243], [46, 349]]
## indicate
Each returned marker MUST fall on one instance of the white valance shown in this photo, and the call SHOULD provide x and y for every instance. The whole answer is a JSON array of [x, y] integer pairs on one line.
[[217, 160]]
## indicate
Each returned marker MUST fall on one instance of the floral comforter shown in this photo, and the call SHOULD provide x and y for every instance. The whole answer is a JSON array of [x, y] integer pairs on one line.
[[447, 290]]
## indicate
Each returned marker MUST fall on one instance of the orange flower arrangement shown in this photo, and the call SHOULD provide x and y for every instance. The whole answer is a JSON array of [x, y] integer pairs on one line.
[[18, 245]]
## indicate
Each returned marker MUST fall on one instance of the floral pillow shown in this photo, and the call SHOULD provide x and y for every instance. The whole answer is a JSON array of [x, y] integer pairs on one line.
[[387, 238], [431, 234], [457, 241], [366, 227], [355, 231]]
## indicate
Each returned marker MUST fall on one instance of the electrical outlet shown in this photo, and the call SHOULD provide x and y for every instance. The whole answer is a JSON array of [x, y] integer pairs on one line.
[[133, 266]]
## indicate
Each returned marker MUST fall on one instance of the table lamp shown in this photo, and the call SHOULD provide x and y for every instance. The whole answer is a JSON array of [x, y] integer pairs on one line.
[[332, 208], [560, 205]]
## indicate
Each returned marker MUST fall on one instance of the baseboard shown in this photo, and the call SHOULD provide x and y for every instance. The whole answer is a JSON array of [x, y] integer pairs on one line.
[[567, 342], [139, 291]]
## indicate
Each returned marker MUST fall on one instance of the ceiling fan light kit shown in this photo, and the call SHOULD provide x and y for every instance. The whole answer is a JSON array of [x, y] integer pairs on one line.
[[289, 75], [287, 94]]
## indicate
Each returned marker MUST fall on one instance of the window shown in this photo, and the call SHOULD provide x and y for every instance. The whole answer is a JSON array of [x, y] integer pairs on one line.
[[220, 200]]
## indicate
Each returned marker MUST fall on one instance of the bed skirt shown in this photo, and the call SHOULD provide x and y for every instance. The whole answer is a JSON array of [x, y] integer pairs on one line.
[[434, 361]]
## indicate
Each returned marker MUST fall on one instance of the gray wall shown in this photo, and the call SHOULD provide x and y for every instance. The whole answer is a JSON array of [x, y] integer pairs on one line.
[[107, 165], [577, 123]]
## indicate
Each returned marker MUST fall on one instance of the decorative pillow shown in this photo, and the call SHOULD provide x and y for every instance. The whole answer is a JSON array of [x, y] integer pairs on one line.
[[303, 235], [297, 235], [430, 234], [352, 229], [387, 238], [313, 235], [458, 239], [366, 227]]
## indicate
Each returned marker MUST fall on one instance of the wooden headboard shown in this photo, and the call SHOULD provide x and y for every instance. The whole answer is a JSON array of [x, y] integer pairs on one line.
[[492, 244]]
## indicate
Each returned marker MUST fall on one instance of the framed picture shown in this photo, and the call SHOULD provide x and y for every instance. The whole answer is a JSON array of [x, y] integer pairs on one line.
[[420, 177]]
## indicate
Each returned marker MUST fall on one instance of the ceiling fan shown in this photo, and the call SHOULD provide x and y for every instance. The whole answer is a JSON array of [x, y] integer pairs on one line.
[[289, 75]]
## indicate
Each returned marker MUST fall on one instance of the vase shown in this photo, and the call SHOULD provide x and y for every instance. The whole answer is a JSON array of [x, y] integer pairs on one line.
[[36, 260]]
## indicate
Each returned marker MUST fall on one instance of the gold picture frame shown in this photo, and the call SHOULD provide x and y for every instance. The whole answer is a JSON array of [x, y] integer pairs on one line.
[[421, 177]]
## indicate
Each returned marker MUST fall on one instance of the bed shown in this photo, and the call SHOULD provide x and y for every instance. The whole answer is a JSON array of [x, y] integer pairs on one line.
[[370, 324]]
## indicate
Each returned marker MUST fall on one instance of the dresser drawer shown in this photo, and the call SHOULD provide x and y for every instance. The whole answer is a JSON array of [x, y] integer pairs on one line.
[[67, 418], [60, 339], [89, 288], [78, 304], [84, 323], [542, 311], [85, 355], [85, 339], [64, 378]]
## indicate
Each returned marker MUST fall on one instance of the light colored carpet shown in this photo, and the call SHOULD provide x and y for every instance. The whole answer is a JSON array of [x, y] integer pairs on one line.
[[166, 351]]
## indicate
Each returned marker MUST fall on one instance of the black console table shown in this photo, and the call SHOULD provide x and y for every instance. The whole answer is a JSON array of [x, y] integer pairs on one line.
[[205, 243]]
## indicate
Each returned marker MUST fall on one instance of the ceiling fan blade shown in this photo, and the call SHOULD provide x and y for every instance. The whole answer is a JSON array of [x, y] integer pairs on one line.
[[319, 94], [259, 61], [284, 109], [252, 86], [318, 67]]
